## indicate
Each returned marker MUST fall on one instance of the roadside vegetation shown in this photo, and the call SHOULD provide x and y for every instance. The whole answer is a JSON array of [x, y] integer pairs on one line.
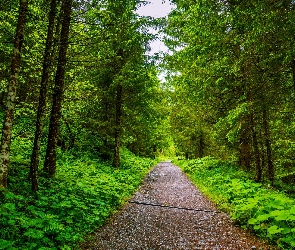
[[79, 98], [266, 211], [85, 191]]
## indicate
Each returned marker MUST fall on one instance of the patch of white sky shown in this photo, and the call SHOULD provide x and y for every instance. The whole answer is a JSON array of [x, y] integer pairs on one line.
[[156, 9]]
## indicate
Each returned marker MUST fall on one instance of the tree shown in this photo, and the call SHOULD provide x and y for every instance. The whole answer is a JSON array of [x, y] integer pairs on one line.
[[11, 94], [47, 62], [234, 59], [50, 159]]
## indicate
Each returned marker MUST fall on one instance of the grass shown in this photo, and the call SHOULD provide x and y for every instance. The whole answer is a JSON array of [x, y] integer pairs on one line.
[[84, 193], [267, 212]]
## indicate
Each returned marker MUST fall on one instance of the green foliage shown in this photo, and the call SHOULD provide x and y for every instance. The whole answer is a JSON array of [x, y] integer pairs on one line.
[[267, 212], [83, 194], [222, 68]]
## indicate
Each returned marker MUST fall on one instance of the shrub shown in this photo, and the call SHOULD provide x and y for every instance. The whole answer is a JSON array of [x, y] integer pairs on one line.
[[269, 213], [84, 193]]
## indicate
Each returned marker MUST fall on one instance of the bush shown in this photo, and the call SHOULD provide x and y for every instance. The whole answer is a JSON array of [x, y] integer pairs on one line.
[[269, 213], [84, 193]]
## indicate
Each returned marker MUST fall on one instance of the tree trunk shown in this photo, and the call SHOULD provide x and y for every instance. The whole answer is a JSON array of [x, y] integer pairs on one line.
[[11, 95], [50, 159], [47, 62], [256, 149], [186, 156], [254, 139], [245, 146], [106, 126], [270, 166], [293, 73], [2, 97], [116, 161], [201, 145]]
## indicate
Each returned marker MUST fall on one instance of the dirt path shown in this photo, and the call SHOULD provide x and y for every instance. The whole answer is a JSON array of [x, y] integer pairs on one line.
[[189, 222]]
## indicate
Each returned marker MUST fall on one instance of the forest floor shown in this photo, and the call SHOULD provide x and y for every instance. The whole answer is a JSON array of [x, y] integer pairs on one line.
[[169, 212]]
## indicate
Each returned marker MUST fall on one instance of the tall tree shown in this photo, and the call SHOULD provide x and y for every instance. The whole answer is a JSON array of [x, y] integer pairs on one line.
[[50, 159], [11, 94], [47, 62], [240, 64]]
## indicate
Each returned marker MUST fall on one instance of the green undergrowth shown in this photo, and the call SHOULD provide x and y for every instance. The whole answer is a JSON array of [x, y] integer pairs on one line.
[[84, 193], [265, 211]]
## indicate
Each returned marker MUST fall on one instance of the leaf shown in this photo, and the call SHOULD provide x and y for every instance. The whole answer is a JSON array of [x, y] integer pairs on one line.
[[35, 234], [286, 230], [69, 220], [252, 221], [5, 243], [11, 222], [289, 240], [66, 247], [280, 215], [263, 217], [9, 206], [274, 229], [65, 204], [292, 210]]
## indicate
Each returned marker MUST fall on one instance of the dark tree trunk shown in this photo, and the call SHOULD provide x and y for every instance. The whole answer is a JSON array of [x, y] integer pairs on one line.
[[270, 166], [293, 73], [11, 94], [50, 159], [262, 153], [106, 126], [201, 145], [116, 161], [2, 97], [47, 62], [254, 139], [245, 146], [256, 150], [186, 156]]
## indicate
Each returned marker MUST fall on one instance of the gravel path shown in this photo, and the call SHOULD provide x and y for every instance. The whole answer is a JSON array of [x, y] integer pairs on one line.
[[149, 227]]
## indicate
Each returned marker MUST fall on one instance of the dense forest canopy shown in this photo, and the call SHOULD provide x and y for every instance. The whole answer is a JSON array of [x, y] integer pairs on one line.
[[85, 79], [234, 87], [81, 72], [78, 86]]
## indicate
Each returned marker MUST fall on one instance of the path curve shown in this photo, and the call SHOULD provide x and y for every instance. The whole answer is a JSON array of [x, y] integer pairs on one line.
[[169, 212]]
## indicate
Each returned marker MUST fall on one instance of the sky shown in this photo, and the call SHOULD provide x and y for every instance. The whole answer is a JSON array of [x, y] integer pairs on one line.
[[156, 8]]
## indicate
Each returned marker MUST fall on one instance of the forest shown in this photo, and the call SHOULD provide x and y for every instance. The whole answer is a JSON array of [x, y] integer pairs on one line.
[[84, 114]]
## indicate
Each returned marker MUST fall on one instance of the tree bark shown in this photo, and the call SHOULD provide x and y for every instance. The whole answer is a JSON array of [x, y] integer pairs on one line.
[[293, 73], [256, 149], [255, 141], [270, 166], [245, 146], [107, 124], [50, 159], [11, 95], [186, 156], [116, 161], [47, 62], [201, 145], [2, 97]]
